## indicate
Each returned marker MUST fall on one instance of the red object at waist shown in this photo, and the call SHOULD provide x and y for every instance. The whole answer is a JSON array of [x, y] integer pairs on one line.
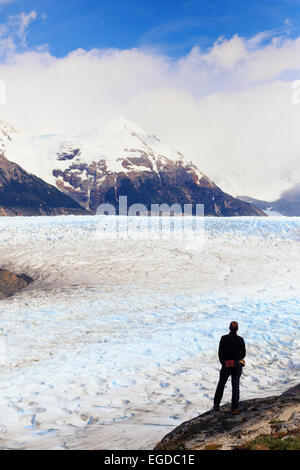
[[229, 364]]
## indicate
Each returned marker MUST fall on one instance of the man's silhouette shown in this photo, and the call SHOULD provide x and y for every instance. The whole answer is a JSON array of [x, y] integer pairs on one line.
[[231, 352]]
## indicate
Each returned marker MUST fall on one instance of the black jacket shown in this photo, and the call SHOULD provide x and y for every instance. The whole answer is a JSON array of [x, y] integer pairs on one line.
[[232, 347]]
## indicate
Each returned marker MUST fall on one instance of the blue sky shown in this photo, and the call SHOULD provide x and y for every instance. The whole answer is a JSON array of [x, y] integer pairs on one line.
[[170, 26]]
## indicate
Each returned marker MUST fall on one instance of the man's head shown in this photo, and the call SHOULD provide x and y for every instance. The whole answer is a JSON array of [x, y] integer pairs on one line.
[[234, 326]]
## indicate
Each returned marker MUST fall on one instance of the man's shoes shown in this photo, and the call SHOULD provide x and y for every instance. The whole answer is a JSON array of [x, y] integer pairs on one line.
[[236, 411], [216, 408]]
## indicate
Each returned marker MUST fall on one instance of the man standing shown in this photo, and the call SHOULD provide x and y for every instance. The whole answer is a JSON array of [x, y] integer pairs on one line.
[[232, 351]]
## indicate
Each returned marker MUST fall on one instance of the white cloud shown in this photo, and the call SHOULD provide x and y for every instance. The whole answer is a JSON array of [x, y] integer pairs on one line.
[[229, 109]]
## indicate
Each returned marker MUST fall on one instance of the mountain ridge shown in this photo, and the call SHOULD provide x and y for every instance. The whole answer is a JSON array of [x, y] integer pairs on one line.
[[288, 203]]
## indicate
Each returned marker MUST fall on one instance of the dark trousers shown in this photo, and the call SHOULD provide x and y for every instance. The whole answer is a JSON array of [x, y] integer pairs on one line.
[[235, 373]]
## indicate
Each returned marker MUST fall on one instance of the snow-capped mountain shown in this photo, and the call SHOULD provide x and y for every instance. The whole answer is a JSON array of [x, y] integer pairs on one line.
[[117, 159]]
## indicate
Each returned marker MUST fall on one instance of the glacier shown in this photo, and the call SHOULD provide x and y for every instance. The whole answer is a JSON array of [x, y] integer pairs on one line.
[[115, 342], [113, 141]]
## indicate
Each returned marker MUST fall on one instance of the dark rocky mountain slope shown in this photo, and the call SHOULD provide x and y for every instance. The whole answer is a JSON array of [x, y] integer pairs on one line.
[[22, 193]]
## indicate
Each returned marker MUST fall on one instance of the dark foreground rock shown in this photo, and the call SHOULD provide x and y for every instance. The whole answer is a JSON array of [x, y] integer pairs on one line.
[[274, 416], [10, 283]]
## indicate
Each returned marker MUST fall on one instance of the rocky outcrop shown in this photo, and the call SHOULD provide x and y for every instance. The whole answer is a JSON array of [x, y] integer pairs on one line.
[[274, 416], [22, 193], [10, 283], [141, 167]]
